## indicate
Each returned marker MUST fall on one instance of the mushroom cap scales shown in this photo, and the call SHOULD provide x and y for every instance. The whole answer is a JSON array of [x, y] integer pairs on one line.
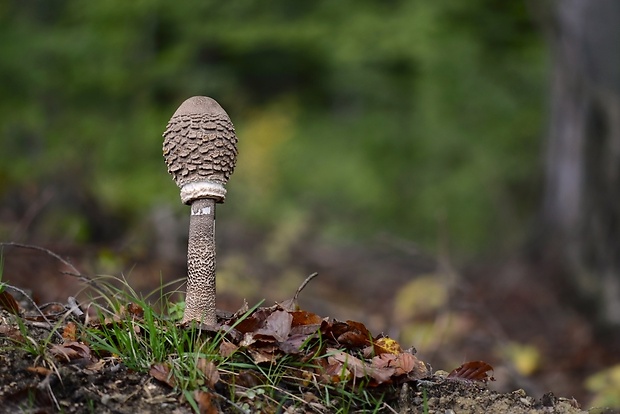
[[200, 148]]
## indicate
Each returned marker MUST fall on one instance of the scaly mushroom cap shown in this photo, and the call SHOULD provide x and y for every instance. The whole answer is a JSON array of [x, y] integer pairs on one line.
[[200, 149]]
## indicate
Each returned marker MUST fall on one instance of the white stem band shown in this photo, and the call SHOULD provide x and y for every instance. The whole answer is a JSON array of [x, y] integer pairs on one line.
[[203, 189]]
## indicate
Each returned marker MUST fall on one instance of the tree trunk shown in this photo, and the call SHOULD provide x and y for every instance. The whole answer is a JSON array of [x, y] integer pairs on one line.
[[581, 210]]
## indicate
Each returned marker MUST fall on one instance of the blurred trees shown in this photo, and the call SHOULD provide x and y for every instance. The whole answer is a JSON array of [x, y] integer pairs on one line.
[[581, 213], [413, 118]]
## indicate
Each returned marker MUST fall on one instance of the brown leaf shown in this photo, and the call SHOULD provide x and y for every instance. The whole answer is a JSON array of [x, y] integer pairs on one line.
[[402, 364], [96, 366], [162, 372], [53, 309], [294, 343], [205, 402], [264, 353], [277, 326], [336, 371], [8, 303], [135, 310], [250, 379], [69, 333], [305, 329], [39, 370], [351, 334], [473, 371], [252, 322], [71, 351], [210, 371], [227, 348], [302, 317], [361, 369], [352, 339]]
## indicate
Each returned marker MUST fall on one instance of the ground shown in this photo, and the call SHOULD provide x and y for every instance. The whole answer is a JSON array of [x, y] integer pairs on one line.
[[111, 388], [495, 308]]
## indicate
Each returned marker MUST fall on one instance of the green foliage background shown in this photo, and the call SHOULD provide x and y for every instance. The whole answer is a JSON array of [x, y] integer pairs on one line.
[[414, 118]]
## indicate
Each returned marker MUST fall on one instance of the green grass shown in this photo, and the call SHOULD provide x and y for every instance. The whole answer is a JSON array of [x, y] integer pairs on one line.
[[143, 334]]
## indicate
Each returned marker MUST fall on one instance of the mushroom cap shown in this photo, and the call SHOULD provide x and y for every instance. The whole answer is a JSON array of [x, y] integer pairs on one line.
[[200, 144]]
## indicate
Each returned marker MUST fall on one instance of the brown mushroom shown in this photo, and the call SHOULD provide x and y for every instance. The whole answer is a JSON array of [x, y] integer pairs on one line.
[[200, 149]]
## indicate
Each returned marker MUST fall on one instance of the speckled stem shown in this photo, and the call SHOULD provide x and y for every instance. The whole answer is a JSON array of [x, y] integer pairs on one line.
[[200, 298]]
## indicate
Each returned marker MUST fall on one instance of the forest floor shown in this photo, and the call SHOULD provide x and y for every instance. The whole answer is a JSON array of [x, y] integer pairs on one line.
[[542, 348]]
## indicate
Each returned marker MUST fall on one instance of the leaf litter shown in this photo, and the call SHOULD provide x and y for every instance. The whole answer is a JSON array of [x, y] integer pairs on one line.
[[320, 352]]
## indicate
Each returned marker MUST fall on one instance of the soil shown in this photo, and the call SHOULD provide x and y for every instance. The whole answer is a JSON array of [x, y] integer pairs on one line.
[[498, 301], [109, 387]]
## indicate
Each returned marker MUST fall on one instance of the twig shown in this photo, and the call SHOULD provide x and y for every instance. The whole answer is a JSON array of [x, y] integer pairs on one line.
[[291, 304], [303, 285], [73, 271]]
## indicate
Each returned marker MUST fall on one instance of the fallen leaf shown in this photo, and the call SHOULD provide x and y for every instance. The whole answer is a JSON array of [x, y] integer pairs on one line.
[[302, 317], [53, 309], [8, 303], [385, 346], [205, 402], [361, 369], [264, 353], [402, 364], [294, 343], [69, 333], [250, 379], [39, 370], [162, 372], [95, 366], [351, 334], [71, 351], [254, 321], [277, 326], [472, 371], [135, 310], [227, 348], [210, 371]]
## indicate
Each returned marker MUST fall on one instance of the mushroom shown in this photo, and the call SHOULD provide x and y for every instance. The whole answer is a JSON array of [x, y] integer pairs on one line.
[[200, 149]]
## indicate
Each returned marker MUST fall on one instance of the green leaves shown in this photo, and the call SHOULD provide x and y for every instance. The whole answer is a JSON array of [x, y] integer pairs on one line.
[[397, 116]]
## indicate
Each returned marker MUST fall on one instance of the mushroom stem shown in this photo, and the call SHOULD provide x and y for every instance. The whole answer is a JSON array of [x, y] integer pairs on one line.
[[200, 294]]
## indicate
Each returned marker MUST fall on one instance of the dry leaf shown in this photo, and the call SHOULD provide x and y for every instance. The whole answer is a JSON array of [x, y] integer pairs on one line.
[[386, 345], [135, 310], [359, 368], [210, 371], [402, 364], [205, 402], [227, 348], [351, 334], [69, 333], [71, 351], [250, 379], [294, 343], [39, 370], [264, 353], [277, 326], [8, 303], [302, 317], [473, 371], [161, 372]]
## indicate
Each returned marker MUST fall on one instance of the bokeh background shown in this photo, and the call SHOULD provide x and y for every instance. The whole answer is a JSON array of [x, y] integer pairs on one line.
[[449, 168]]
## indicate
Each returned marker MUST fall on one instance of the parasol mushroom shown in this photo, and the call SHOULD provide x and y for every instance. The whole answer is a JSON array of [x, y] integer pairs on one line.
[[200, 149]]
